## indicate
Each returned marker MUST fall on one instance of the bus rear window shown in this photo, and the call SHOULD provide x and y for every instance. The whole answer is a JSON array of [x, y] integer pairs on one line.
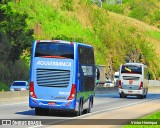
[[54, 50], [131, 69]]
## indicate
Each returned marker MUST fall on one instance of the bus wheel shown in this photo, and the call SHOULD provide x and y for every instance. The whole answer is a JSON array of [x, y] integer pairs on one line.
[[122, 95], [80, 110], [89, 107], [146, 93], [38, 111], [140, 96]]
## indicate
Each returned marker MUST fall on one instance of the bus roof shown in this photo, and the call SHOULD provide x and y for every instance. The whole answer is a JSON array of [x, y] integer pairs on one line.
[[135, 64], [63, 41], [58, 41]]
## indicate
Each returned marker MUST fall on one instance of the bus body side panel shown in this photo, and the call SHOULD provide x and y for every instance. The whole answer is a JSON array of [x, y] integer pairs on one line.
[[83, 93], [31, 63], [75, 78]]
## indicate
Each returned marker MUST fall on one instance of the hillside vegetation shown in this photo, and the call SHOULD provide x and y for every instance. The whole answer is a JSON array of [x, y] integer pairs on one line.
[[116, 38], [144, 10]]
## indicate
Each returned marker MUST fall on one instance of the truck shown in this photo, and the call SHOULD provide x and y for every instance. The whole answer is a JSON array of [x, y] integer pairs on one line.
[[101, 74]]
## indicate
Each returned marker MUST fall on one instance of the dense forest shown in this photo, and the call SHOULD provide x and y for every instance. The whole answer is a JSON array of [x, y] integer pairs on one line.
[[119, 32]]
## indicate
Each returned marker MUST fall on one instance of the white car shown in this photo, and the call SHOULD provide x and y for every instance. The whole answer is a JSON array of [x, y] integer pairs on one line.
[[108, 84], [19, 86]]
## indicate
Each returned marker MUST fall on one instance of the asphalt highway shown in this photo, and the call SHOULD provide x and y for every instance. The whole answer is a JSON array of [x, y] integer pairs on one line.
[[107, 105]]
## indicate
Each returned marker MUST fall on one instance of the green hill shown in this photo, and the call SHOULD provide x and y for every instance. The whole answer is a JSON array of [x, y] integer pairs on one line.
[[143, 10], [116, 38]]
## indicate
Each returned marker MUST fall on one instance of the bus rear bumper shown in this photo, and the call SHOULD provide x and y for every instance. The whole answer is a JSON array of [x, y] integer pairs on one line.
[[131, 92], [52, 104]]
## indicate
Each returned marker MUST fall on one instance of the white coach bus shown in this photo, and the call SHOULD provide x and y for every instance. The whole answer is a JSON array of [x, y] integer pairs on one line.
[[134, 80]]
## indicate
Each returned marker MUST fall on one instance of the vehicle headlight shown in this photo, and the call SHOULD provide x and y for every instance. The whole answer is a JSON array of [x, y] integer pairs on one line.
[[23, 89], [11, 89]]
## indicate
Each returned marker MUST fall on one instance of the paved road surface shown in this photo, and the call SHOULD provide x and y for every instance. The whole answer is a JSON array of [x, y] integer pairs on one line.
[[107, 105]]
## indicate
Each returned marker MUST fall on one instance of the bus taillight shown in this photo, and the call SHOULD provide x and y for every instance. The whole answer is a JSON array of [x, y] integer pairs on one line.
[[72, 43], [120, 84], [73, 92], [141, 86], [32, 94]]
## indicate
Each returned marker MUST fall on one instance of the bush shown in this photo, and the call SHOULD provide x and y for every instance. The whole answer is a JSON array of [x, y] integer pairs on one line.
[[3, 87], [67, 5], [139, 10]]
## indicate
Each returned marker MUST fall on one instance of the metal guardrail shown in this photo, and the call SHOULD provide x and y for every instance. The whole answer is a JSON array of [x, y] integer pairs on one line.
[[154, 83], [14, 94], [22, 94]]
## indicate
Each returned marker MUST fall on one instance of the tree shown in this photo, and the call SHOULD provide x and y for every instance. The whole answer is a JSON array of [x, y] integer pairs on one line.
[[14, 27]]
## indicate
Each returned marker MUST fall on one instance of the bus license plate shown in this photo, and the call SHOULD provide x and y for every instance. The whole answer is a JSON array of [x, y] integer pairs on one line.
[[130, 81], [52, 103], [130, 92]]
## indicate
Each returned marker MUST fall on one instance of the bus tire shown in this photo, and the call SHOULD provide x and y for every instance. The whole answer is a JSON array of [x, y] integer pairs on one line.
[[146, 93], [89, 107], [80, 109], [140, 96], [120, 95], [38, 111]]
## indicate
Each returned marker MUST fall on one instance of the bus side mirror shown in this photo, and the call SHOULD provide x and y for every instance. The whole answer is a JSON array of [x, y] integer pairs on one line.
[[97, 76]]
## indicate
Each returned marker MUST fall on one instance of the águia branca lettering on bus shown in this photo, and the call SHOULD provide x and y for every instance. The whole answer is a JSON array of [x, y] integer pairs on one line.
[[54, 63]]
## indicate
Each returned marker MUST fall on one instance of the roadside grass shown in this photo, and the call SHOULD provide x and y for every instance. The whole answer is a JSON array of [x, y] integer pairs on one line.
[[155, 117]]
